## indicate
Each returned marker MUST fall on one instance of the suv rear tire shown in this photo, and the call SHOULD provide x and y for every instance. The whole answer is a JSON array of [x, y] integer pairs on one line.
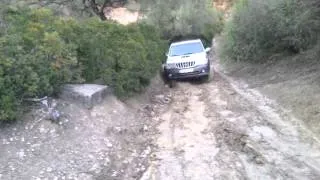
[[172, 83], [206, 78]]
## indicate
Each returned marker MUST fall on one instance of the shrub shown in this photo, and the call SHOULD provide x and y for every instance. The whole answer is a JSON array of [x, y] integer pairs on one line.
[[34, 59], [124, 57], [259, 29], [40, 51]]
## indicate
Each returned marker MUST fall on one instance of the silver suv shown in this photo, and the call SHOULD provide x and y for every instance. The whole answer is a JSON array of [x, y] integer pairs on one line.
[[187, 59]]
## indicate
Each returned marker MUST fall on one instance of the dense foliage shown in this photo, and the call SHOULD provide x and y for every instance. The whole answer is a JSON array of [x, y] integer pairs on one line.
[[34, 59], [40, 51], [183, 18], [259, 29], [175, 19], [125, 57]]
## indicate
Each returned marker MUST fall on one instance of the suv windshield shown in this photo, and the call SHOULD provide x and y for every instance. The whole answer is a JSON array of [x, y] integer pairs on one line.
[[184, 49]]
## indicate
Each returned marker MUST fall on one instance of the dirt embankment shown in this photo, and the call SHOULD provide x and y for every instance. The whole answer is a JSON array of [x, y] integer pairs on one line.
[[122, 15], [293, 82], [111, 141]]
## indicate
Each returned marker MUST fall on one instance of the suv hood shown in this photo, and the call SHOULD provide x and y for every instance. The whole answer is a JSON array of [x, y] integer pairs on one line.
[[198, 58]]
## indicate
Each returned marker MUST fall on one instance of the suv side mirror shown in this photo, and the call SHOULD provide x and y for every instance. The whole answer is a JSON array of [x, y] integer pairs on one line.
[[207, 49]]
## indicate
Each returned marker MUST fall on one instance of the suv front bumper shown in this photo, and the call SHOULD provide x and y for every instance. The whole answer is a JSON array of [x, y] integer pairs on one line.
[[197, 72]]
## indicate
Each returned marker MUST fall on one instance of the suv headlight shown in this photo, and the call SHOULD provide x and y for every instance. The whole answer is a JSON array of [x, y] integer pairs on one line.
[[202, 62]]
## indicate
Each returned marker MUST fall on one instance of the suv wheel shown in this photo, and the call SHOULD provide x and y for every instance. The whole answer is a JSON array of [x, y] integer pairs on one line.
[[206, 78], [163, 75], [172, 83]]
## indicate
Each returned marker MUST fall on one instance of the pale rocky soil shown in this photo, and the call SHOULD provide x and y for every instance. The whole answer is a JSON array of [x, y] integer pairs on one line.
[[111, 141], [122, 15], [223, 129]]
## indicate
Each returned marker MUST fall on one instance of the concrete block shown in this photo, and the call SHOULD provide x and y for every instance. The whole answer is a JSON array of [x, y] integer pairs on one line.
[[85, 94]]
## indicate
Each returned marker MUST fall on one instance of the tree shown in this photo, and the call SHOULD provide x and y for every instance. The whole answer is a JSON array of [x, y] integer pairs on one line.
[[258, 29], [81, 7], [179, 18]]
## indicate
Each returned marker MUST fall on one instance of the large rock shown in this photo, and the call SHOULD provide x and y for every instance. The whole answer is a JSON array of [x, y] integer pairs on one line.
[[86, 94]]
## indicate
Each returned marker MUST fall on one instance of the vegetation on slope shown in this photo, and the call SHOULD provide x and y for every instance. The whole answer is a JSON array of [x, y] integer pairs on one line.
[[259, 29], [183, 18], [40, 51]]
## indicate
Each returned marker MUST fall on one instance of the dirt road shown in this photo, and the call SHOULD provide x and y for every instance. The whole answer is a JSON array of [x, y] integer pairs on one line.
[[196, 131], [223, 130]]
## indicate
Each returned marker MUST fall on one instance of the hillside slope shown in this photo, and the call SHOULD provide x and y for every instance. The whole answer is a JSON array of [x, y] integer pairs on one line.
[[293, 82]]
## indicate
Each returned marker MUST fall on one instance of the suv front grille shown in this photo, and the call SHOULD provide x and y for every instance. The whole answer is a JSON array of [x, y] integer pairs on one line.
[[184, 65]]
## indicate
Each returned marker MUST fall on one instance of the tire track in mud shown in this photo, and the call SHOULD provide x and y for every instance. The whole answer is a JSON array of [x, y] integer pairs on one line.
[[187, 146], [184, 146], [211, 131]]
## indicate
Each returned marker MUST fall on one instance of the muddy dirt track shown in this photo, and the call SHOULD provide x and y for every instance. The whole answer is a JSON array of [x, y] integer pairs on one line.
[[223, 130]]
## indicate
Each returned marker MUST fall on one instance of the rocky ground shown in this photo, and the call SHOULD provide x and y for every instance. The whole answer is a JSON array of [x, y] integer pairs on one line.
[[223, 129], [111, 141]]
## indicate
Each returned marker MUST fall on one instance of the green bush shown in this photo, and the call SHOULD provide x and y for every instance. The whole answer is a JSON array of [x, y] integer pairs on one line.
[[34, 59], [185, 18], [259, 29], [124, 57], [40, 51]]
